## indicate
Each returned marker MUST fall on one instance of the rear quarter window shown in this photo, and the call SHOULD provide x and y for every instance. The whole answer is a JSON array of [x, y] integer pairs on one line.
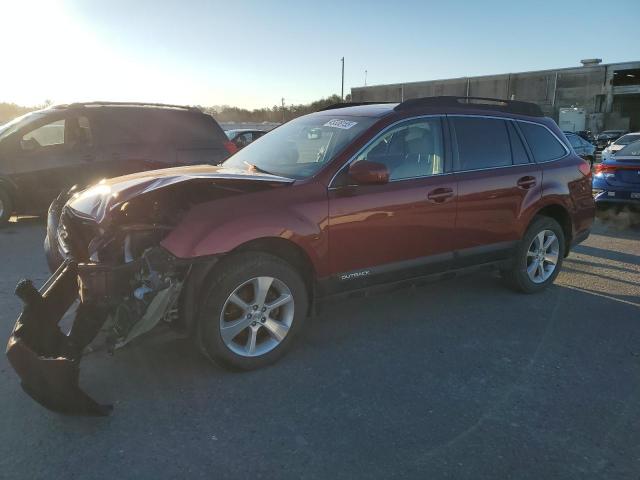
[[543, 144], [192, 128], [122, 125]]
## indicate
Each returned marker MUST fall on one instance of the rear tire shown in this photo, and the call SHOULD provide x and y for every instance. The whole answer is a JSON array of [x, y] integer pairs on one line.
[[239, 325], [6, 207], [538, 256]]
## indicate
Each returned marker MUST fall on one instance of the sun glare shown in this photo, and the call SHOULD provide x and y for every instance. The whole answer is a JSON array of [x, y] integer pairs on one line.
[[52, 54]]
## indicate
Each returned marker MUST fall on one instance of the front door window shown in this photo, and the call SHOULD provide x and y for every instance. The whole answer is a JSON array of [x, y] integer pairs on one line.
[[71, 133], [45, 136], [409, 151]]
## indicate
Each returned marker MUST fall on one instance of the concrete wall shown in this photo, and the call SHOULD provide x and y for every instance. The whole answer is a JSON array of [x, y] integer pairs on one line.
[[588, 87]]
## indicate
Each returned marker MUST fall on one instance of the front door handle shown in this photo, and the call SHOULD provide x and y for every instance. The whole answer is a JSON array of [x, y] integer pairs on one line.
[[440, 195], [88, 157], [526, 182]]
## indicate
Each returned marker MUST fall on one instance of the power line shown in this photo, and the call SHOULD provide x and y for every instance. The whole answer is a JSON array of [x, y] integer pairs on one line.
[[342, 89]]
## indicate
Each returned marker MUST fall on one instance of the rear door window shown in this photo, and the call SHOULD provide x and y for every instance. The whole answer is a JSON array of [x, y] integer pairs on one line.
[[543, 144], [481, 143], [124, 125]]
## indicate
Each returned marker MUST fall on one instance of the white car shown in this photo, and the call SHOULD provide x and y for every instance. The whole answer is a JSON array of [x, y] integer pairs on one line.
[[620, 143]]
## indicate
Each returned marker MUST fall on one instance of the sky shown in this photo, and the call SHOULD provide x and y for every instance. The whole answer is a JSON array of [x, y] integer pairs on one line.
[[252, 53]]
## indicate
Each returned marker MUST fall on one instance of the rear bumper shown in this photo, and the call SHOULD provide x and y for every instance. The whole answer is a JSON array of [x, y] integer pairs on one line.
[[605, 193], [615, 197]]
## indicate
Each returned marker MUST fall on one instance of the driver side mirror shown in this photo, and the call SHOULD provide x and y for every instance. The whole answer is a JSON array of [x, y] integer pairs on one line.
[[366, 172]]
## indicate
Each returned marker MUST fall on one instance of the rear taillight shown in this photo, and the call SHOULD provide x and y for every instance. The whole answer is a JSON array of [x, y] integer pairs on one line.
[[610, 170], [231, 147], [585, 168], [602, 168]]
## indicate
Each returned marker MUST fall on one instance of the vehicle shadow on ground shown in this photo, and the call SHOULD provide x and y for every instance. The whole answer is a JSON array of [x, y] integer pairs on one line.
[[606, 254], [449, 369], [17, 223]]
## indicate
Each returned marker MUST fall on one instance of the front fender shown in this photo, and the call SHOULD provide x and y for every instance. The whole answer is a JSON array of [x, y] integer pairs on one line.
[[218, 227]]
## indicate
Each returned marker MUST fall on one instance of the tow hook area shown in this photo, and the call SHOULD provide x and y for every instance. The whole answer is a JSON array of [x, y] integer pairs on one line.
[[47, 360]]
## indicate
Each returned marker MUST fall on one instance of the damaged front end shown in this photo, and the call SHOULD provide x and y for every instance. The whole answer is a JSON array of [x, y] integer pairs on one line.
[[115, 280], [116, 277], [123, 302]]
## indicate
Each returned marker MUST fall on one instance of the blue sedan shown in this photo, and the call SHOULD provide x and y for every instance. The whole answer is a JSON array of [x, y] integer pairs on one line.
[[617, 179]]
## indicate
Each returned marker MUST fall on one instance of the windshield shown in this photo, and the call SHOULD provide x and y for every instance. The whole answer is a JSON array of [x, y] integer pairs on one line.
[[631, 150], [300, 148], [627, 139], [17, 123]]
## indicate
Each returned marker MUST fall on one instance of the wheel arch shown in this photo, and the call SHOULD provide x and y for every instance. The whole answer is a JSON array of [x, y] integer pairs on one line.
[[288, 251], [561, 215], [284, 249]]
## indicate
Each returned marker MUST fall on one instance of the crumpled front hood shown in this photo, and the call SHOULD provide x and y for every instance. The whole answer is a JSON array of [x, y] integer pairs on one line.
[[95, 202]]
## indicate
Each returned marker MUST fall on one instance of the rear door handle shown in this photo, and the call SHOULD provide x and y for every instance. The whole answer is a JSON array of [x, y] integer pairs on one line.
[[439, 195], [526, 182], [88, 157]]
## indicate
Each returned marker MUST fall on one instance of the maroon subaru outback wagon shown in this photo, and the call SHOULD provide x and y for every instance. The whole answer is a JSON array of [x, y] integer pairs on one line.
[[346, 198]]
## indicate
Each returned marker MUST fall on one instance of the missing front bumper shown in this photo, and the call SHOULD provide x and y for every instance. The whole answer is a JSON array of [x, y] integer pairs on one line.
[[46, 360]]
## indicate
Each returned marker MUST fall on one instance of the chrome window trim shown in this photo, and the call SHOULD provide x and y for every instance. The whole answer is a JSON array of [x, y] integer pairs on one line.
[[376, 137]]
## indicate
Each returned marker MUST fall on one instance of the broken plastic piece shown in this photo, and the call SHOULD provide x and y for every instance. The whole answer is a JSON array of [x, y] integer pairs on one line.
[[46, 360]]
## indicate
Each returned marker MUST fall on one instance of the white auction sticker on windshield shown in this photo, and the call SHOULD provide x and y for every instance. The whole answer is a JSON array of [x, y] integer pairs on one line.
[[343, 124]]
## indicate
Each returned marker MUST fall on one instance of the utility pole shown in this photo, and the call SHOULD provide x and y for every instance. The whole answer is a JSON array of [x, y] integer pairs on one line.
[[342, 89], [282, 109], [365, 78]]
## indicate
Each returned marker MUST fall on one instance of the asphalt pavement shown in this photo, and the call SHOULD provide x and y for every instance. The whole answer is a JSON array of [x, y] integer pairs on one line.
[[460, 379]]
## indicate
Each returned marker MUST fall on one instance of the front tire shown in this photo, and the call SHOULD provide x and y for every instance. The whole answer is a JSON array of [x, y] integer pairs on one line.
[[538, 256], [251, 311], [6, 207]]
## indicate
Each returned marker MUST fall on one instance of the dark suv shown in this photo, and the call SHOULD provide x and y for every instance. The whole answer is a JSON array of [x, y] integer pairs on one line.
[[47, 151], [343, 199]]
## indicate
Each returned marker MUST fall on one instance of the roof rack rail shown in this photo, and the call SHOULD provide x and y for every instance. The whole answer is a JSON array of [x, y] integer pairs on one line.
[[480, 103], [349, 104], [133, 104]]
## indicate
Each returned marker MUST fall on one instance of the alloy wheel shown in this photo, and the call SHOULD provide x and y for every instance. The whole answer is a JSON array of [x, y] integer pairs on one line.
[[542, 256], [257, 316]]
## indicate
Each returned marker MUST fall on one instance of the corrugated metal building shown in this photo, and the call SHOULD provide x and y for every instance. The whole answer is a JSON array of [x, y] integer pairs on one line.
[[610, 93]]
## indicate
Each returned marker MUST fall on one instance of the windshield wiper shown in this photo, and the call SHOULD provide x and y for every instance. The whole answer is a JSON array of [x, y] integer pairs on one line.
[[256, 168]]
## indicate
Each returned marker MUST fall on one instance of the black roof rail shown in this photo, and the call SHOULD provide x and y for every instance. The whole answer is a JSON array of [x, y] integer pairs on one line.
[[479, 103], [132, 104], [350, 104]]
